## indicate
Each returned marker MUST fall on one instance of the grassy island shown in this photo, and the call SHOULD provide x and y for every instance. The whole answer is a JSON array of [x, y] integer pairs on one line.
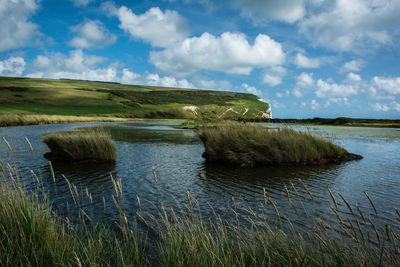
[[248, 145], [87, 146]]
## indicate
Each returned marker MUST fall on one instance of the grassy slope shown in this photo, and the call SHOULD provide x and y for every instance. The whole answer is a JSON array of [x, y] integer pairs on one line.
[[84, 98]]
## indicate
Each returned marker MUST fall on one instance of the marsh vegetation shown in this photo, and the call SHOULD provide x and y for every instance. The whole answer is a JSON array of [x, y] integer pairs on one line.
[[248, 145], [83, 146]]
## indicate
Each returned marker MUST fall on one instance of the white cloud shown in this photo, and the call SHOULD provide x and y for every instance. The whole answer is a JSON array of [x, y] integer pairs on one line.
[[388, 84], [274, 76], [350, 25], [325, 89], [153, 79], [304, 80], [158, 28], [314, 104], [82, 3], [13, 66], [297, 93], [386, 107], [380, 107], [305, 62], [354, 65], [91, 33], [250, 89], [16, 29], [280, 95], [76, 65], [202, 82], [230, 53], [284, 10], [353, 77]]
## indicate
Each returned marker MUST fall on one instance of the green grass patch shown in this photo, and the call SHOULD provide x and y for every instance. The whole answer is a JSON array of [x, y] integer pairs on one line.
[[84, 98], [247, 145], [88, 145]]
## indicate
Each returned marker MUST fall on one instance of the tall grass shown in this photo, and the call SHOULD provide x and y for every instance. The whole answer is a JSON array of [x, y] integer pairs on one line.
[[31, 234], [247, 144], [87, 145], [35, 119]]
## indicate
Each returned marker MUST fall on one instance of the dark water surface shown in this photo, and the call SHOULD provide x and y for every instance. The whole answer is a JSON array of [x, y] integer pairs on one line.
[[176, 156]]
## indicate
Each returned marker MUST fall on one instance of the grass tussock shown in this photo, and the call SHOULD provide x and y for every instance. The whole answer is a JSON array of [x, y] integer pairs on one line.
[[30, 119], [247, 145], [87, 145], [31, 234]]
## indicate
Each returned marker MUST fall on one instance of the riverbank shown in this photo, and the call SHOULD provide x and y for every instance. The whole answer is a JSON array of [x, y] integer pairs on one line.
[[31, 119], [342, 121]]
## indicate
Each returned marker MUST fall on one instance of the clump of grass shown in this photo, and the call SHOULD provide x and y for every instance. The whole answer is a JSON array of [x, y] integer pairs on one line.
[[88, 146], [247, 145]]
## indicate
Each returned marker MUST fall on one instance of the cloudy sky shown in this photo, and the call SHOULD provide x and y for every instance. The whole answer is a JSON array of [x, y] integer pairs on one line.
[[308, 58]]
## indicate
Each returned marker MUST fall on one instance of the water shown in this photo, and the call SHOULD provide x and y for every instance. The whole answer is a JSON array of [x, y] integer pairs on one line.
[[176, 156]]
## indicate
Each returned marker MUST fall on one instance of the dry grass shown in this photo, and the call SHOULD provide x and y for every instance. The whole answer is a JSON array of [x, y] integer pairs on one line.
[[247, 144], [88, 145], [30, 119]]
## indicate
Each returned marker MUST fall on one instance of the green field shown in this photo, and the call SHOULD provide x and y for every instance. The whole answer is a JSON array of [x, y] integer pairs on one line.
[[86, 98]]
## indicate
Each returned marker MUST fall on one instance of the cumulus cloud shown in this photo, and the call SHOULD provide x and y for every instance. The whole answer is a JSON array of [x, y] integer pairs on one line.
[[230, 53], [13, 66], [16, 29], [305, 62], [353, 77], [160, 29], [297, 93], [76, 65], [82, 3], [350, 25], [380, 107], [288, 11], [274, 76], [250, 89], [326, 89], [206, 83], [91, 34], [388, 84], [354, 65], [304, 80], [153, 79]]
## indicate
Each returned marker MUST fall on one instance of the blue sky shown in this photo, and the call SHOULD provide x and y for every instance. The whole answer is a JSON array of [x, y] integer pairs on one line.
[[307, 58]]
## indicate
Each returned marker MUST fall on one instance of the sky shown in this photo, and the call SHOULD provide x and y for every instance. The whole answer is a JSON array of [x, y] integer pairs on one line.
[[307, 58]]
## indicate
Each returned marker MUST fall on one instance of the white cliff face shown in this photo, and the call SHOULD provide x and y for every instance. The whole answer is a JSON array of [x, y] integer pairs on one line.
[[191, 108], [267, 114]]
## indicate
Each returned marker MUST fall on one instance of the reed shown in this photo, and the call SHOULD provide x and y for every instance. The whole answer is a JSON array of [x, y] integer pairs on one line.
[[32, 234], [247, 145], [85, 145], [37, 119]]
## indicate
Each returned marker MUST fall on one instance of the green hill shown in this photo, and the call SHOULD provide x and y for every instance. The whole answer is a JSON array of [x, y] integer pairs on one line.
[[87, 98]]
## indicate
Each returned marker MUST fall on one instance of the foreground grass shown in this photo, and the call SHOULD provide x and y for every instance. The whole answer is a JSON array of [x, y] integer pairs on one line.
[[31, 119], [32, 234], [247, 145], [88, 145]]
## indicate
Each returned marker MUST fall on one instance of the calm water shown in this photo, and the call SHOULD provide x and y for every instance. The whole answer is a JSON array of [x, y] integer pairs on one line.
[[176, 156]]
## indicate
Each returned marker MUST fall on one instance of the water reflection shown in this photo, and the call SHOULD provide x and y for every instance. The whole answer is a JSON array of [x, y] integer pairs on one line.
[[176, 156]]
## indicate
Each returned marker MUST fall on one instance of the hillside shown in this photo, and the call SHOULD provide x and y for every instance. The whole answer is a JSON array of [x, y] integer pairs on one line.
[[86, 98]]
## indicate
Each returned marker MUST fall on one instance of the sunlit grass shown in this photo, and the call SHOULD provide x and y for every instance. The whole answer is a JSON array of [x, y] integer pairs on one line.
[[247, 145], [87, 145]]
